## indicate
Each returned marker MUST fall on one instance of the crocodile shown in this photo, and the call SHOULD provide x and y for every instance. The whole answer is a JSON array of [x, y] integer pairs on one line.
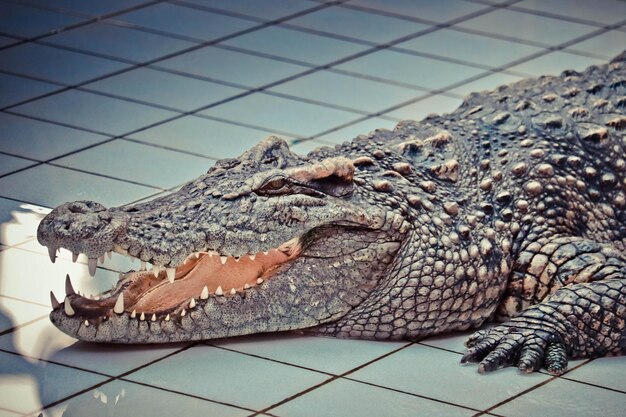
[[511, 209]]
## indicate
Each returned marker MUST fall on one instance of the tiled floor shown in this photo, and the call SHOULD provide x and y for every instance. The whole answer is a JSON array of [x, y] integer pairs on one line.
[[119, 101]]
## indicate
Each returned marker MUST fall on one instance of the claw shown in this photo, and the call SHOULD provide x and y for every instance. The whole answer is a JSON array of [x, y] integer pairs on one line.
[[556, 358]]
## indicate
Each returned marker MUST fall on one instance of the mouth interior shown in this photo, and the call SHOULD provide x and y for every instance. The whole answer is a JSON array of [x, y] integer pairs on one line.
[[145, 292]]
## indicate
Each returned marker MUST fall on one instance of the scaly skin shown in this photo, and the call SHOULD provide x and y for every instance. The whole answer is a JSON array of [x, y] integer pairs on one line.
[[512, 207]]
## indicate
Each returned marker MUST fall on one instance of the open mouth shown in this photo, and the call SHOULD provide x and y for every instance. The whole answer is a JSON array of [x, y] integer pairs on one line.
[[163, 293]]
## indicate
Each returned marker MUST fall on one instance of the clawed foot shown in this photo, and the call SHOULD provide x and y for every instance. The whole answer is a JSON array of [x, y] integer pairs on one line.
[[528, 349]]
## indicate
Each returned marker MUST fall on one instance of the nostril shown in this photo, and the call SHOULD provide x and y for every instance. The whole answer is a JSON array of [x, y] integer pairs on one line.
[[82, 207]]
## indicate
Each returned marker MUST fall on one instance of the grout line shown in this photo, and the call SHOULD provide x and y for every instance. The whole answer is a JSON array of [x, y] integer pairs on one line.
[[524, 392], [410, 393], [314, 387], [79, 24], [186, 394], [19, 326]]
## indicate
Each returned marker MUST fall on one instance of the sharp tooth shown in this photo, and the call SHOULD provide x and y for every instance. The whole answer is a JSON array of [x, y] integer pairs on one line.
[[97, 298], [246, 286], [86, 323], [142, 317], [265, 252], [192, 303], [110, 254], [259, 281], [233, 291], [198, 255], [223, 259], [219, 291], [143, 266], [236, 258], [205, 293], [69, 290], [252, 257], [167, 318], [133, 314], [155, 270], [153, 318], [92, 263], [183, 313], [101, 259], [74, 257], [52, 253], [53, 300], [171, 274], [119, 304], [69, 311]]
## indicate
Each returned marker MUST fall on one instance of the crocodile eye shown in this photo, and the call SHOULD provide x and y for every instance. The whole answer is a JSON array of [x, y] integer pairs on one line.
[[276, 184]]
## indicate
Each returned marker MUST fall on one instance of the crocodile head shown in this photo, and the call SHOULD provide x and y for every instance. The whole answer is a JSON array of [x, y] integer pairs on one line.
[[269, 241]]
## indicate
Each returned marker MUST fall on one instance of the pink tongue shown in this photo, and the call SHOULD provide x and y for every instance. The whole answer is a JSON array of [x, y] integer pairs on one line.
[[209, 272]]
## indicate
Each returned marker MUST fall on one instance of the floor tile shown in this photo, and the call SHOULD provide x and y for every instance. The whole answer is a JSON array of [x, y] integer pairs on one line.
[[119, 42], [295, 44], [29, 22], [184, 21], [454, 342], [19, 221], [441, 377], [268, 9], [50, 186], [122, 398], [93, 8], [206, 137], [554, 62], [489, 83], [40, 140], [10, 164], [17, 89], [419, 71], [31, 276], [91, 111], [361, 128], [603, 12], [438, 11], [608, 45], [349, 398], [140, 163], [159, 87], [347, 91], [563, 398], [232, 67], [331, 355], [55, 64], [26, 386], [44, 341], [228, 377], [464, 46], [605, 372], [293, 117], [15, 313], [434, 104], [530, 27], [357, 25]]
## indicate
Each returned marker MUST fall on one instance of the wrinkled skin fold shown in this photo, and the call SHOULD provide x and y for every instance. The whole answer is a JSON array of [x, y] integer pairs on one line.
[[512, 208]]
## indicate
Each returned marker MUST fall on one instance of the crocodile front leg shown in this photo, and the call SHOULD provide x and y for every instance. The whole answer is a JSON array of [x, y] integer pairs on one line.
[[584, 316]]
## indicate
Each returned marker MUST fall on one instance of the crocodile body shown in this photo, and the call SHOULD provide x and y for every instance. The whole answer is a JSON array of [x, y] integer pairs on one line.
[[513, 208]]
